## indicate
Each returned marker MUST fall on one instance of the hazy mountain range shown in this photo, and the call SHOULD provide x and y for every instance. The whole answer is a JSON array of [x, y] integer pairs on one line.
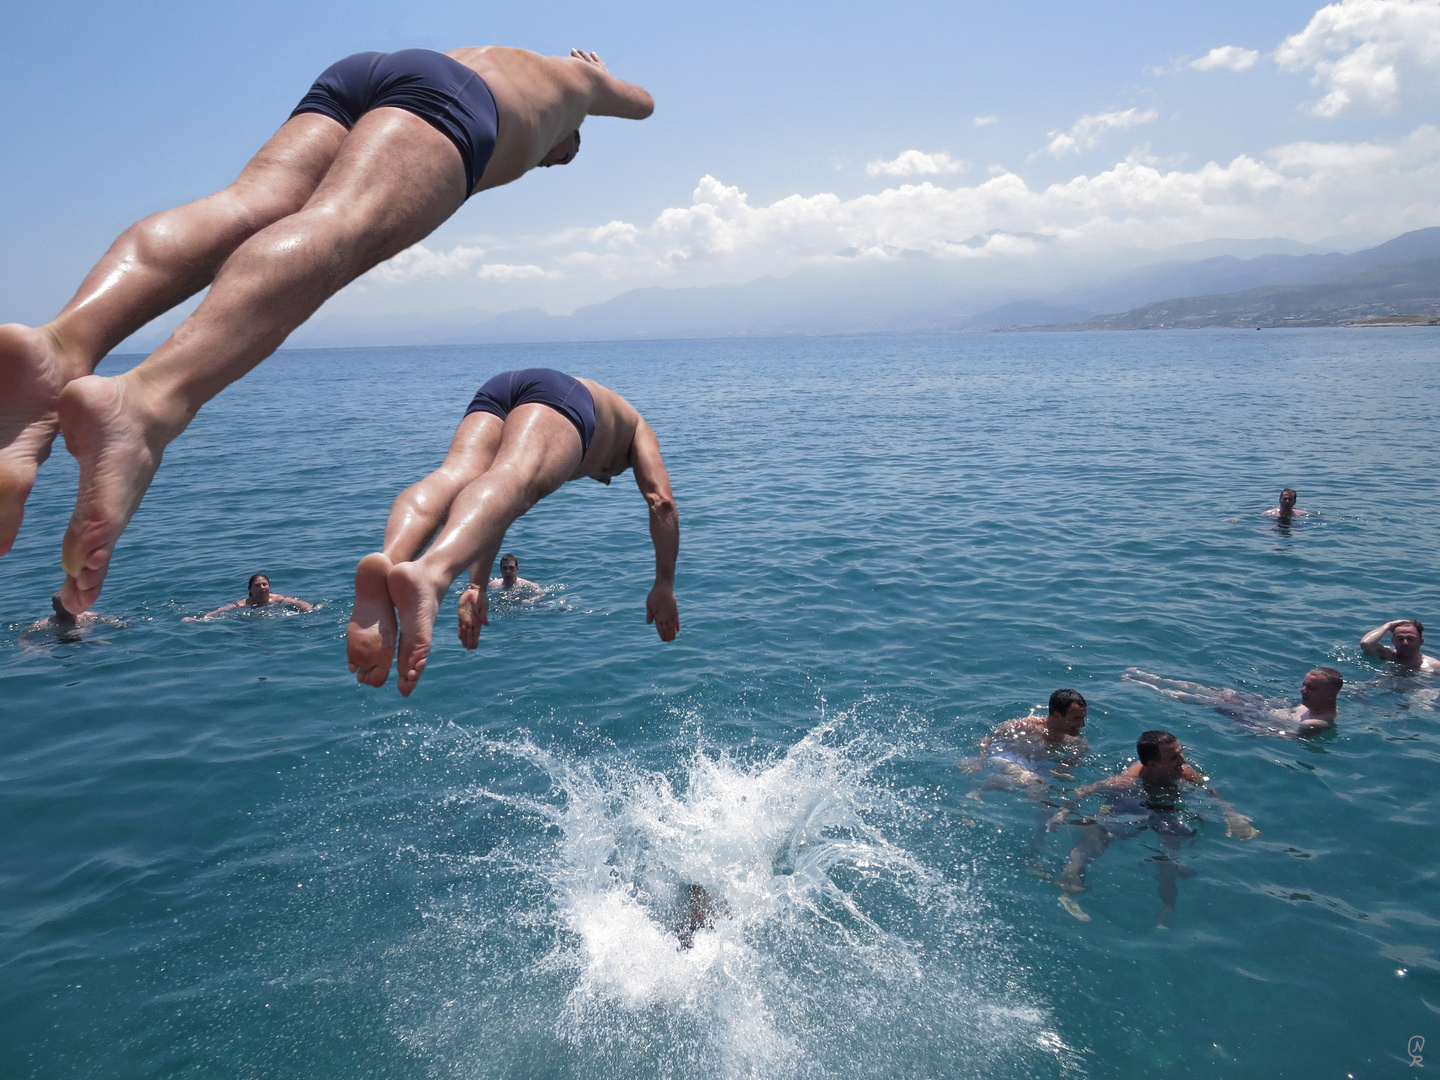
[[1248, 283]]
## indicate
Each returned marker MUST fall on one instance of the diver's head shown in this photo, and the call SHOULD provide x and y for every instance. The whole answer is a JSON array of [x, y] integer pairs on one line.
[[563, 152]]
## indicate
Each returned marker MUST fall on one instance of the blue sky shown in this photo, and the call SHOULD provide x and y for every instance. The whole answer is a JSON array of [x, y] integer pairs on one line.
[[800, 114]]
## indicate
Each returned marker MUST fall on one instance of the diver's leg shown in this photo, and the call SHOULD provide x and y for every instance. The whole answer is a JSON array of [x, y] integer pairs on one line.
[[417, 512], [394, 180], [539, 451], [151, 267]]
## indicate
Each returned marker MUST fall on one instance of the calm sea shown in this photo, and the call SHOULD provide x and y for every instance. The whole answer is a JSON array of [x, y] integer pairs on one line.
[[220, 857]]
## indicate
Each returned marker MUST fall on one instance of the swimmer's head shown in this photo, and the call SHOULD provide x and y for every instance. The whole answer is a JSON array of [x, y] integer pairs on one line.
[[1408, 636], [509, 569], [62, 613], [1287, 499], [1067, 711], [1159, 752], [563, 152], [1319, 689], [258, 589]]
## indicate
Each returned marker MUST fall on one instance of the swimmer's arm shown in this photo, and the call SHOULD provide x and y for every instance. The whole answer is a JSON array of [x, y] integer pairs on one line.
[[298, 605], [982, 752], [1371, 643], [1236, 824], [653, 481], [610, 96], [217, 611], [1118, 782]]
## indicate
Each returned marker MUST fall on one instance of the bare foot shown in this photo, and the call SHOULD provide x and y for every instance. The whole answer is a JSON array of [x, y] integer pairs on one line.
[[1070, 904], [370, 637], [474, 613], [417, 602], [119, 449], [33, 371]]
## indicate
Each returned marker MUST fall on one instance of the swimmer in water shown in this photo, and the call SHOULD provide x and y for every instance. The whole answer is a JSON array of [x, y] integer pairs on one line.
[[1316, 713], [1287, 510], [1143, 796], [257, 595], [1026, 751], [65, 625], [510, 580], [1407, 635]]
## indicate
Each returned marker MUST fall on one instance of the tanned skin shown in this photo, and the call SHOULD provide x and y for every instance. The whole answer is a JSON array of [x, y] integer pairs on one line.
[[495, 471]]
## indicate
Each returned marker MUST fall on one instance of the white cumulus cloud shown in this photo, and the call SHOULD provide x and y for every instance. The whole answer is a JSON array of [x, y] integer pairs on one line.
[[915, 163], [503, 272], [1305, 190], [421, 262], [1086, 133], [1227, 56], [981, 121], [1368, 53]]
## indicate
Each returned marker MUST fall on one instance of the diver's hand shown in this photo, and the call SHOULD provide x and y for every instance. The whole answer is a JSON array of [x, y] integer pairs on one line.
[[660, 609], [474, 613], [589, 58]]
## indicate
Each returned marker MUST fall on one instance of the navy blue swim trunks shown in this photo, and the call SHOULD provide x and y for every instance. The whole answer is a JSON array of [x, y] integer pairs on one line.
[[545, 386], [443, 92]]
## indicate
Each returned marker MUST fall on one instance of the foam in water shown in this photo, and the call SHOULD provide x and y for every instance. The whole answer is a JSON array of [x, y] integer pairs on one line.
[[826, 948]]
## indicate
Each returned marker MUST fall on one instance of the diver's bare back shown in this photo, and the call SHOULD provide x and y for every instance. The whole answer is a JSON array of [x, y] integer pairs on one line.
[[616, 422], [542, 99]]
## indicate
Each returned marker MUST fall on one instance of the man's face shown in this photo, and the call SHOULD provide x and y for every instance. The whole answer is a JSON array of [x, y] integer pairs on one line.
[[509, 571], [1315, 691], [1287, 500], [1407, 639], [563, 152], [1073, 719], [260, 591], [1172, 760]]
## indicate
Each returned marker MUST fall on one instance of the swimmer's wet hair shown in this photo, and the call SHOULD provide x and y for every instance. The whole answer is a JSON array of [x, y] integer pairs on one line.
[[1333, 678], [254, 578], [1289, 491], [1061, 700], [1147, 747], [509, 556], [1419, 626]]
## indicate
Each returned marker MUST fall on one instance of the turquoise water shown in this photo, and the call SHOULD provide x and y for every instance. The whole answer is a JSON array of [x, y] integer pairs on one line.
[[221, 857]]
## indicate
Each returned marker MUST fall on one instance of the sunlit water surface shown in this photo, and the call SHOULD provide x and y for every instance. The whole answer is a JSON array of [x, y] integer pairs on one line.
[[221, 857]]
